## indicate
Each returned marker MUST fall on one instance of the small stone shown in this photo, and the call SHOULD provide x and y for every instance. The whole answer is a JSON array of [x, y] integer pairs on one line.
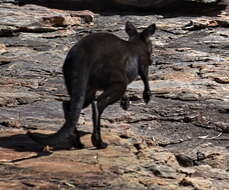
[[197, 183], [184, 160], [200, 156], [188, 96], [2, 48], [222, 126], [86, 14], [12, 124], [4, 60], [186, 171], [163, 171], [222, 80]]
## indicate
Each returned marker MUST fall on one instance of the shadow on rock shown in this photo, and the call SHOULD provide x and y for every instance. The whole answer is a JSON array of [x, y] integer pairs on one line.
[[23, 143], [20, 143]]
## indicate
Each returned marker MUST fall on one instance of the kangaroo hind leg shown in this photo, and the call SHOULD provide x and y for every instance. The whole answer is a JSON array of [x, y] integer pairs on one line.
[[90, 96], [109, 96], [125, 102]]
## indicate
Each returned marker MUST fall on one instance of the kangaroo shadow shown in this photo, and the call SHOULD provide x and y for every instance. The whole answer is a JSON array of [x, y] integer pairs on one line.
[[23, 143]]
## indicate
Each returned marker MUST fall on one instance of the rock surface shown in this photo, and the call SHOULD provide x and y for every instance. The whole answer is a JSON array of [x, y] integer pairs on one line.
[[179, 141]]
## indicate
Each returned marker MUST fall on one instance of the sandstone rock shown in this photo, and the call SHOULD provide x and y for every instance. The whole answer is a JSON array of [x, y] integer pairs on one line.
[[198, 183], [144, 140], [5, 60], [184, 160], [86, 14], [223, 80], [202, 23], [17, 98], [2, 48], [33, 18], [222, 126], [163, 171], [216, 158], [12, 123]]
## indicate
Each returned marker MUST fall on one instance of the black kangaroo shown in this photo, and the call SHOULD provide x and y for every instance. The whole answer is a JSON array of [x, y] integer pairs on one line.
[[100, 61]]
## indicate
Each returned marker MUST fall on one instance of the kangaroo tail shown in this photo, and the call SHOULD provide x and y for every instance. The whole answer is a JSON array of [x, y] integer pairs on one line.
[[76, 81]]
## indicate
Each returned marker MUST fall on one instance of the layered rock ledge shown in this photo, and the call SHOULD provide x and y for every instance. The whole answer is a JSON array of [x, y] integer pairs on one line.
[[179, 141]]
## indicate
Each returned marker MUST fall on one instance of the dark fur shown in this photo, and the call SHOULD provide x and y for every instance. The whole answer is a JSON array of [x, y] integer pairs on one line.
[[100, 61]]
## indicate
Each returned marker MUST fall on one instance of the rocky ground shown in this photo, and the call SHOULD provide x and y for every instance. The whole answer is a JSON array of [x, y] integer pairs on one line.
[[179, 141]]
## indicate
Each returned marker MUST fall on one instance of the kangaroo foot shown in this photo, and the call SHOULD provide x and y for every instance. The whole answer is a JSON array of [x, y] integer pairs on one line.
[[125, 103], [97, 142], [57, 140]]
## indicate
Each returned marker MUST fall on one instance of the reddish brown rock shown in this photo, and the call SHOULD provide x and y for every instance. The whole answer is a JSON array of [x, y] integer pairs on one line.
[[188, 114], [33, 18]]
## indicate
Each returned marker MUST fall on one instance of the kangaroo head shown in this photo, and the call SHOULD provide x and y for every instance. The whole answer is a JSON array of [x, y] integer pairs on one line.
[[142, 39]]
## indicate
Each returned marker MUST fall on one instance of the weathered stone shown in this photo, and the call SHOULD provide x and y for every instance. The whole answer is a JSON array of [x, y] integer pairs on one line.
[[12, 123], [184, 160], [144, 140], [201, 23], [4, 60], [17, 98], [33, 18], [197, 183], [163, 171], [86, 14], [2, 48], [223, 80], [224, 127]]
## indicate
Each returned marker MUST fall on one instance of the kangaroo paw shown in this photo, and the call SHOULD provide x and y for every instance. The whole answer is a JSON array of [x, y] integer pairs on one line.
[[56, 140], [98, 143]]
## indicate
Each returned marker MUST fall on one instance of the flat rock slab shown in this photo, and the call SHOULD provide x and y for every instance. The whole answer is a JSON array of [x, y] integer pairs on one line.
[[122, 165], [34, 18], [185, 124]]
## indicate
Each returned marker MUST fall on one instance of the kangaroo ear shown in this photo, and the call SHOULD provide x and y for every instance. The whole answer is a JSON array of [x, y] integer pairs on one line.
[[130, 29], [148, 31]]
